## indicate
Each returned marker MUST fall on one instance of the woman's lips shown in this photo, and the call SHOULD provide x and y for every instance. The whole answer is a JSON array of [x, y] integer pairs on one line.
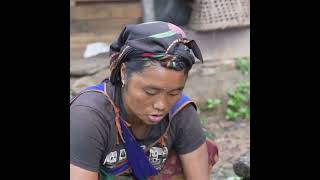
[[155, 117]]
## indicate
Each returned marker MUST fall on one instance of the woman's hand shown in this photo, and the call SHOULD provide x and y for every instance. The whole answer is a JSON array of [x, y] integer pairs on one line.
[[77, 173], [195, 164]]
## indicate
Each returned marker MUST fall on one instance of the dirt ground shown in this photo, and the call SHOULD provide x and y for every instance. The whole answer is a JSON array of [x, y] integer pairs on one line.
[[232, 139]]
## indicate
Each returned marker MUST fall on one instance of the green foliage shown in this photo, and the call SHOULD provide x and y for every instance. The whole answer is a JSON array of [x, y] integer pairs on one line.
[[238, 105], [212, 103], [209, 105], [238, 102], [243, 65]]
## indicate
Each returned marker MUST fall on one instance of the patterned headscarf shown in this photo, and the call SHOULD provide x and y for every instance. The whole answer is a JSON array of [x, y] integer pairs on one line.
[[151, 41]]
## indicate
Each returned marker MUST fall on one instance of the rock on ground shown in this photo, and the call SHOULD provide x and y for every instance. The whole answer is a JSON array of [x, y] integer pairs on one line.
[[85, 67], [242, 166]]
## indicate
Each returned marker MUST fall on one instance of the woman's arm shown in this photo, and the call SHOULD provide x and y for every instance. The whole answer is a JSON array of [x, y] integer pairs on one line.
[[195, 164], [77, 173], [87, 142]]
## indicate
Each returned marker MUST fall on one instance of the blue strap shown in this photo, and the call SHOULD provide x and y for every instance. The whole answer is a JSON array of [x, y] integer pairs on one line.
[[183, 99], [139, 162], [137, 159], [99, 87]]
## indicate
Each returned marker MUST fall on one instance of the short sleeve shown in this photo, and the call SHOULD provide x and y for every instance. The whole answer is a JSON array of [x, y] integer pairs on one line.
[[87, 139], [188, 130]]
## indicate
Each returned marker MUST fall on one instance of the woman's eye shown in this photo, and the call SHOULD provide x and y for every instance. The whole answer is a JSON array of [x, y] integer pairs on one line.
[[176, 93], [150, 93]]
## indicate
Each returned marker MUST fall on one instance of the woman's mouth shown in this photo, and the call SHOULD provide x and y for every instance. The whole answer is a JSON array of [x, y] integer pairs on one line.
[[155, 117]]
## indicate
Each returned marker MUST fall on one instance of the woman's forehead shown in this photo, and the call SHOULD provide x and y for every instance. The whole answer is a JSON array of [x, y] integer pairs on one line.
[[159, 77]]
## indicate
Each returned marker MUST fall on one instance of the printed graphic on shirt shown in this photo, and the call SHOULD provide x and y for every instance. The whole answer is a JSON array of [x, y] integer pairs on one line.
[[157, 156]]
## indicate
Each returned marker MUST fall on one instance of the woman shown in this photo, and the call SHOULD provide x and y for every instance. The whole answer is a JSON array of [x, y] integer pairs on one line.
[[138, 124]]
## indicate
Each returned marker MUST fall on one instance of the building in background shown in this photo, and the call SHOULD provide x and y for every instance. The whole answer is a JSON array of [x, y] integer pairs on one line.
[[222, 27]]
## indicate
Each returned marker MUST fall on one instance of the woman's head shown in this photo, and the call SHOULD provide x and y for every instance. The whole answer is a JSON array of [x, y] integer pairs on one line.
[[149, 93], [152, 60]]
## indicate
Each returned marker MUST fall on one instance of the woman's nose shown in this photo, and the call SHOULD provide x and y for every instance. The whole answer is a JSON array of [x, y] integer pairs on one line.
[[160, 104]]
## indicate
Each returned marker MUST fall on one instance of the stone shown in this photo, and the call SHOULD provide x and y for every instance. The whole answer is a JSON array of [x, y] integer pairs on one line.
[[86, 81], [94, 49], [82, 83], [242, 166], [84, 67]]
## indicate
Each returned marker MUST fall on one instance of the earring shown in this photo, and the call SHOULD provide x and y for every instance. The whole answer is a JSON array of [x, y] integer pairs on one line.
[[123, 84]]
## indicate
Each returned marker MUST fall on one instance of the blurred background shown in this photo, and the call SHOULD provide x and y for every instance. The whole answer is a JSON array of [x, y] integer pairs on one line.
[[220, 86]]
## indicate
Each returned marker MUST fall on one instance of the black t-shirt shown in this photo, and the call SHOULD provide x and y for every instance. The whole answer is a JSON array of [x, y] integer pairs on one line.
[[93, 134]]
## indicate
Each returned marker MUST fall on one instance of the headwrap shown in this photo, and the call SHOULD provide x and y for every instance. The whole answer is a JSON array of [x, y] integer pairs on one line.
[[151, 41]]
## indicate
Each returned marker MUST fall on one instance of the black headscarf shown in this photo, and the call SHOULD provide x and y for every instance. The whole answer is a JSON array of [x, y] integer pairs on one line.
[[151, 41]]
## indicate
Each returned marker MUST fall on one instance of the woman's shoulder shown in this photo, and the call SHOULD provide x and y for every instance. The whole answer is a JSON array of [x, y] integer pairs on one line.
[[185, 116], [96, 102], [188, 110], [187, 129]]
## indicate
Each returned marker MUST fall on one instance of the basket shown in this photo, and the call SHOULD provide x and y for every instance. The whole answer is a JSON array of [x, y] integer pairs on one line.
[[219, 14]]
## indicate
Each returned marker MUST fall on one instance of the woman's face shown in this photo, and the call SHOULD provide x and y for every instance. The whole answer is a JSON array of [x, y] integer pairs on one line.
[[149, 95]]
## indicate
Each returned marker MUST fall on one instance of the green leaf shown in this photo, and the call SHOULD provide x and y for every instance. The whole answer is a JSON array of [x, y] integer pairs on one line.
[[216, 101], [209, 101], [243, 110], [243, 65], [231, 114], [231, 103], [235, 114], [212, 103], [234, 103], [242, 97], [230, 94], [228, 111]]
